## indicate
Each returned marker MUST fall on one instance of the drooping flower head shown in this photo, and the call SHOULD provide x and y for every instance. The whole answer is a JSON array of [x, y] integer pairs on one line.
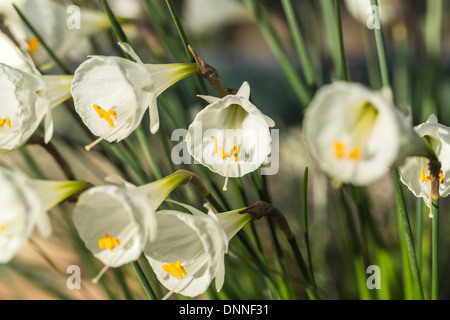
[[230, 136], [189, 249], [116, 221], [28, 97], [353, 133], [414, 172], [25, 203], [111, 94]]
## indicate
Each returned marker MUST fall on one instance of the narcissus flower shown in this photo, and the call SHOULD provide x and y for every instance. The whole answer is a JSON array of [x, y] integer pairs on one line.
[[414, 172], [189, 249], [25, 203], [28, 97], [353, 133], [116, 221], [230, 136], [111, 94]]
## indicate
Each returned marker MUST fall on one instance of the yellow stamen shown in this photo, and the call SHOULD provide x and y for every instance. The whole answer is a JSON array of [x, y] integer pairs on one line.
[[108, 242], [222, 153], [33, 44], [355, 154], [428, 178], [2, 228], [105, 115], [175, 269], [341, 152], [5, 121], [339, 149], [215, 145], [236, 152]]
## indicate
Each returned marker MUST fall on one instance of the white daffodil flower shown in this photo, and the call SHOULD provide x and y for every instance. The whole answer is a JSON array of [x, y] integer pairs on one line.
[[65, 27], [189, 249], [353, 133], [28, 97], [25, 203], [116, 221], [414, 172], [230, 136], [111, 94]]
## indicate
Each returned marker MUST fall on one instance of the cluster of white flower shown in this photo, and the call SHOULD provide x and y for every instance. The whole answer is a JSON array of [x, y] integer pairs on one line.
[[353, 134], [120, 221]]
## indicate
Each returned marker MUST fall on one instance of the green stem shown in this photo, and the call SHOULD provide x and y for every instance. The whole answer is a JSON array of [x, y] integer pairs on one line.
[[42, 42], [299, 42], [294, 80], [435, 249], [419, 230], [329, 19], [407, 233], [121, 37], [144, 281], [343, 64], [310, 289], [185, 42], [379, 38], [145, 145], [305, 222]]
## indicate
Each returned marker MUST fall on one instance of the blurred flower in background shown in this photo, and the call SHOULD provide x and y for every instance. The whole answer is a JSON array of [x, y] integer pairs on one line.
[[362, 11]]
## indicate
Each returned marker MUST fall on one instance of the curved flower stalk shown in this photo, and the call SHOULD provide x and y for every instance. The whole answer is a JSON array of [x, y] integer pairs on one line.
[[414, 172], [361, 10], [64, 29], [25, 203], [116, 221], [27, 98], [189, 249], [355, 134], [111, 94], [230, 136]]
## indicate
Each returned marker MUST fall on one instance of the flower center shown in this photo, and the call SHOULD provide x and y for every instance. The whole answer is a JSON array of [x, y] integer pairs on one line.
[[342, 152], [233, 152], [175, 269], [33, 44], [2, 228], [105, 115], [108, 242], [5, 121], [428, 178]]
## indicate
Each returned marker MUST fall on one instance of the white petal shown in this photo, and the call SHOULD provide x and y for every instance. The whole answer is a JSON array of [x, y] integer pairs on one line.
[[128, 49], [21, 105], [110, 83], [334, 115], [154, 117], [21, 210], [119, 212], [244, 91], [191, 239], [233, 121]]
